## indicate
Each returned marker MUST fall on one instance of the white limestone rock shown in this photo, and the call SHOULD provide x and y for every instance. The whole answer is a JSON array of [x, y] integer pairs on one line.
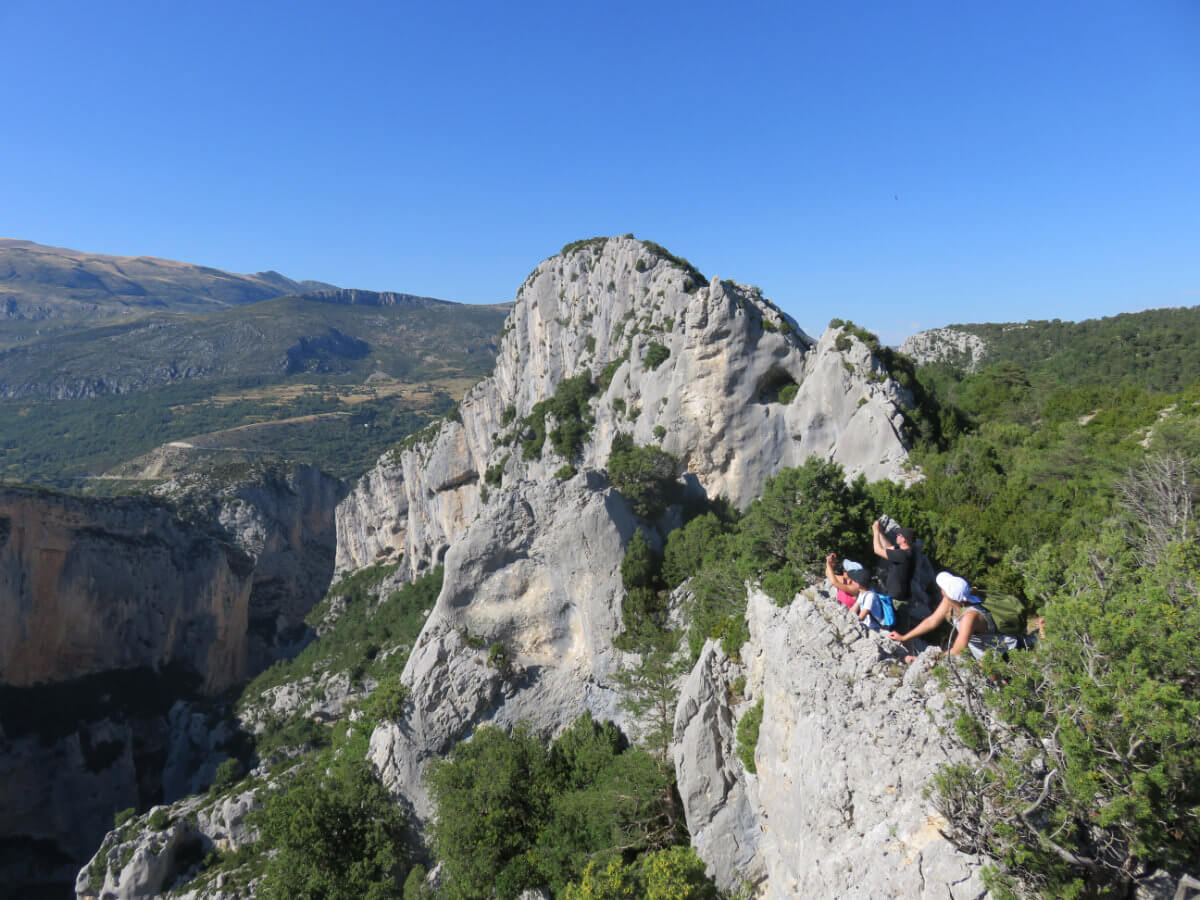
[[952, 345], [138, 861], [846, 745], [539, 574], [719, 797], [713, 401]]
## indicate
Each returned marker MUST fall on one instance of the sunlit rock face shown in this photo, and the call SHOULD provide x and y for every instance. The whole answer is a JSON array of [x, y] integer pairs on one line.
[[849, 739], [613, 307], [214, 586], [708, 370]]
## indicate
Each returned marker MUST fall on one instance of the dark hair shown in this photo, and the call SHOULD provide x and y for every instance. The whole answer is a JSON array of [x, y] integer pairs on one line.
[[860, 577]]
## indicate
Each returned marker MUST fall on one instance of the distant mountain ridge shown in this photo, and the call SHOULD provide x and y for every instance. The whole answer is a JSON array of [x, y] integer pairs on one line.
[[39, 282], [1158, 349], [356, 297], [191, 349]]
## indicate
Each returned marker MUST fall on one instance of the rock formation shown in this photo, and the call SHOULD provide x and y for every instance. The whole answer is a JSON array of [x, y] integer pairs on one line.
[[532, 538], [849, 738], [602, 309], [532, 563], [117, 609], [952, 345], [92, 585]]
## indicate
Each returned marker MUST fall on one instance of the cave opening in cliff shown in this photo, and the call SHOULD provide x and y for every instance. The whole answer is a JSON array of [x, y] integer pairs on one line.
[[777, 386]]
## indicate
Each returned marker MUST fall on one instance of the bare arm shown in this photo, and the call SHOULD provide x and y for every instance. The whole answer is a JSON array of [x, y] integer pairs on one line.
[[841, 582], [930, 622], [879, 540]]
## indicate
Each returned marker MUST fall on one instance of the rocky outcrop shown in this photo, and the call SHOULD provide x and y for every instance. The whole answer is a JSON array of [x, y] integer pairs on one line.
[[952, 345], [146, 856], [849, 738], [701, 369], [709, 371], [538, 577], [214, 586], [532, 541], [118, 611]]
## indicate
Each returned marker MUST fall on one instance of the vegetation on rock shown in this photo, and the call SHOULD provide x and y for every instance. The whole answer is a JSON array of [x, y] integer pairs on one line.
[[514, 814]]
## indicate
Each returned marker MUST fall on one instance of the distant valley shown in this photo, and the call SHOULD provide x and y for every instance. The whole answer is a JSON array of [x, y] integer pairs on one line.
[[104, 358]]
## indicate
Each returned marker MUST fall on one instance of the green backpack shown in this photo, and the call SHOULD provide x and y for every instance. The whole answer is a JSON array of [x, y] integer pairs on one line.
[[1008, 612]]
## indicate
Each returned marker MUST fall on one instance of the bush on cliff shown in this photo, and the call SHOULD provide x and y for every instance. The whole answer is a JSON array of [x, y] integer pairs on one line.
[[645, 476], [1086, 778], [780, 542], [337, 833], [514, 814]]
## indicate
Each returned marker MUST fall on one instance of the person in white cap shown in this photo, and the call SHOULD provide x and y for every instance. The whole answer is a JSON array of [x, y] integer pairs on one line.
[[962, 610]]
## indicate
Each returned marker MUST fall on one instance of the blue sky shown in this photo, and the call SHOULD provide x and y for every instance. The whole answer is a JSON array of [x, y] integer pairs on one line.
[[902, 164]]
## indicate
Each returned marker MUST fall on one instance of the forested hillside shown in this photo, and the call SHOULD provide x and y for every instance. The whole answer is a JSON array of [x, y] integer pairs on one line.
[[1158, 349]]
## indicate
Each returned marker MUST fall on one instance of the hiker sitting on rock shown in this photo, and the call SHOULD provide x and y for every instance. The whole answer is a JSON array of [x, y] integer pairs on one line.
[[854, 591], [971, 622]]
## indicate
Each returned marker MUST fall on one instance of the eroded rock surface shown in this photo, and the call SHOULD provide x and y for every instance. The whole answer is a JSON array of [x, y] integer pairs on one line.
[[118, 612], [538, 575], [952, 345], [849, 738], [612, 308]]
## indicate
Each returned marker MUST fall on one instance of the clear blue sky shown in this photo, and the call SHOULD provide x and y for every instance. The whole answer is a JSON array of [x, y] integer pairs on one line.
[[903, 164]]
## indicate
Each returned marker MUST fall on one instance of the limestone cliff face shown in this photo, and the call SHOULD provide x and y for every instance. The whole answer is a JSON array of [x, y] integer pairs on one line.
[[533, 563], [849, 738], [113, 610], [613, 306], [539, 574], [91, 585]]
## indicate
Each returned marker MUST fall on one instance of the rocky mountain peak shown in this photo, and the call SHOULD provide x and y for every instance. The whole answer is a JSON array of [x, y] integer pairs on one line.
[[609, 300], [711, 372]]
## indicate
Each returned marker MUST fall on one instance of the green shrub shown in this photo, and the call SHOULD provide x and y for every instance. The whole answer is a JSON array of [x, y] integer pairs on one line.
[[414, 885], [571, 409], [1084, 776], [606, 375], [500, 660], [513, 814], [565, 472], [660, 432], [495, 473], [747, 735], [124, 816], [673, 874], [645, 476], [386, 703], [159, 820], [686, 548], [788, 393], [227, 774], [337, 833], [656, 355]]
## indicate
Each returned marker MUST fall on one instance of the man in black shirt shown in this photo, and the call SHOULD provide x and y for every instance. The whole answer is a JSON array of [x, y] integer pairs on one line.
[[895, 572]]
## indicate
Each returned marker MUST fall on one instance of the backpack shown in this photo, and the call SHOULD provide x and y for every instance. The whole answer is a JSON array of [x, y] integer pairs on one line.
[[888, 618], [1008, 612]]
